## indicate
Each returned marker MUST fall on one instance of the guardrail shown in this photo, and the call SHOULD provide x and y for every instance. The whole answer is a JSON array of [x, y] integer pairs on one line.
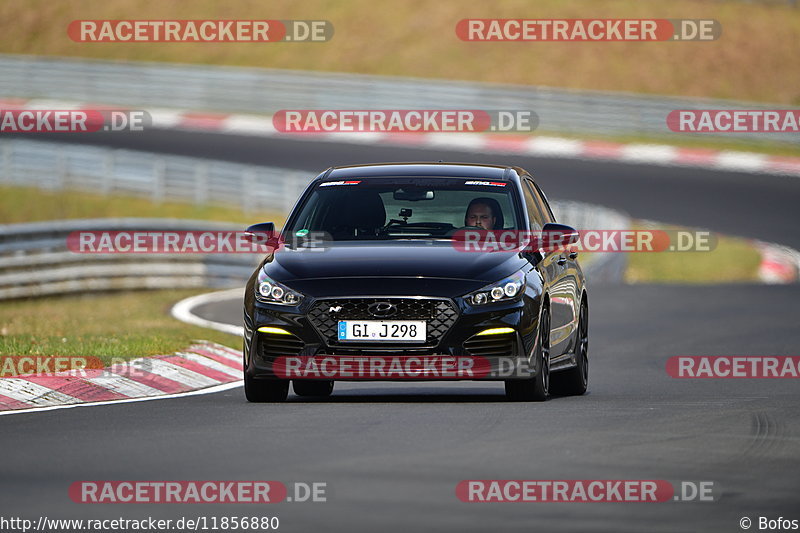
[[35, 260], [50, 165], [264, 91]]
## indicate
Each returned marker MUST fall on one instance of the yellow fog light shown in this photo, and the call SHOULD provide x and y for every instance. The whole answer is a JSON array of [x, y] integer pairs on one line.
[[276, 331], [496, 331]]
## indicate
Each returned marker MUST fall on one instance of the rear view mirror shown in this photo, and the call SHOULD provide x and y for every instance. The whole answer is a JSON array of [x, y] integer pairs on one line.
[[413, 195], [263, 233], [555, 236]]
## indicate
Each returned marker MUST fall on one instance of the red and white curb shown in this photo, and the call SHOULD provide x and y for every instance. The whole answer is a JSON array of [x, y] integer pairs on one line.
[[533, 145], [779, 264], [202, 368]]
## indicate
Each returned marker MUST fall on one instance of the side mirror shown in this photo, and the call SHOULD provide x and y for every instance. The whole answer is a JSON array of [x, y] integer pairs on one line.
[[556, 236], [263, 233]]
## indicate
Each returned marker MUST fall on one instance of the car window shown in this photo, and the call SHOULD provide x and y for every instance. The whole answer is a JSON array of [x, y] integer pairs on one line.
[[414, 207], [541, 201], [537, 219]]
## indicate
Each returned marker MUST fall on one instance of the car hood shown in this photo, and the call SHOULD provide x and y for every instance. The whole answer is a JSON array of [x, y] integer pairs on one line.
[[407, 259]]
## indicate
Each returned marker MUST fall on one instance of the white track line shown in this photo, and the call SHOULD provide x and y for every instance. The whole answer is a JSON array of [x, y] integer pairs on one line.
[[183, 310], [209, 390]]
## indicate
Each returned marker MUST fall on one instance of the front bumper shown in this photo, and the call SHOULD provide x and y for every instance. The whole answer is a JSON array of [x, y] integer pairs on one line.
[[307, 333]]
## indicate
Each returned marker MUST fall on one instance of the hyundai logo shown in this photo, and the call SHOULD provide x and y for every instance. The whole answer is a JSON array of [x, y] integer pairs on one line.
[[382, 309]]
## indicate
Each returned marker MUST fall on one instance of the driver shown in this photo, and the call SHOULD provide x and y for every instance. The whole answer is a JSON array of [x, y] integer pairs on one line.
[[481, 213]]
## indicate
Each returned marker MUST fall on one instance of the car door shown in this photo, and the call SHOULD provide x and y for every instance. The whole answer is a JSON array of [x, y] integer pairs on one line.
[[555, 268], [566, 291], [549, 266]]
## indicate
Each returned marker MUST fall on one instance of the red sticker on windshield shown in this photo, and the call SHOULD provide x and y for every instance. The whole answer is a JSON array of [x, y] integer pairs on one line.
[[329, 183], [489, 183]]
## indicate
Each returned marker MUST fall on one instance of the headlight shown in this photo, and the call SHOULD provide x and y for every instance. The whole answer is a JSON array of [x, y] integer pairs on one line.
[[508, 289], [271, 292]]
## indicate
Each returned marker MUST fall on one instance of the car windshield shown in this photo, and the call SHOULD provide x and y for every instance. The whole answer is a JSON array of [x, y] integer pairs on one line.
[[406, 208]]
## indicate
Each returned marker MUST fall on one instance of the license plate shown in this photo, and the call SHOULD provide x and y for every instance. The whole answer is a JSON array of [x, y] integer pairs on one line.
[[382, 330]]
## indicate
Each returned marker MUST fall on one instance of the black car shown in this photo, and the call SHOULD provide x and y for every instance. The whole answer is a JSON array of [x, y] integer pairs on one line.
[[389, 282]]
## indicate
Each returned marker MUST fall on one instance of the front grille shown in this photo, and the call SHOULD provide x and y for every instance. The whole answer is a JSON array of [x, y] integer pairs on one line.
[[440, 315], [490, 345], [271, 345]]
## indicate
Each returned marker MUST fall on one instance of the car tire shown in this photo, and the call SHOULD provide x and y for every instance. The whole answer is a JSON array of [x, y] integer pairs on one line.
[[535, 389], [265, 390], [573, 382], [305, 387]]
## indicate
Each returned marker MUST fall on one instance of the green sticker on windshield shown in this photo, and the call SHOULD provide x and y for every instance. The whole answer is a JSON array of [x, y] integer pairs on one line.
[[302, 233]]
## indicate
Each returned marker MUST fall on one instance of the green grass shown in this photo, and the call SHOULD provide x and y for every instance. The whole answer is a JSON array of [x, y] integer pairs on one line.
[[733, 260], [29, 204], [108, 326]]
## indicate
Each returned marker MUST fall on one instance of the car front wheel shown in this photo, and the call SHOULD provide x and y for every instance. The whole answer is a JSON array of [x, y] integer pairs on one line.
[[573, 382], [265, 390], [535, 389]]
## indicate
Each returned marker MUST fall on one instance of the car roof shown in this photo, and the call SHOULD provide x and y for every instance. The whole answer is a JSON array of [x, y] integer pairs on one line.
[[457, 170]]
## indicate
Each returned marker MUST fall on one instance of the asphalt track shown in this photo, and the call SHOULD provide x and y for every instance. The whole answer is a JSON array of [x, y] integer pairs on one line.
[[392, 454]]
